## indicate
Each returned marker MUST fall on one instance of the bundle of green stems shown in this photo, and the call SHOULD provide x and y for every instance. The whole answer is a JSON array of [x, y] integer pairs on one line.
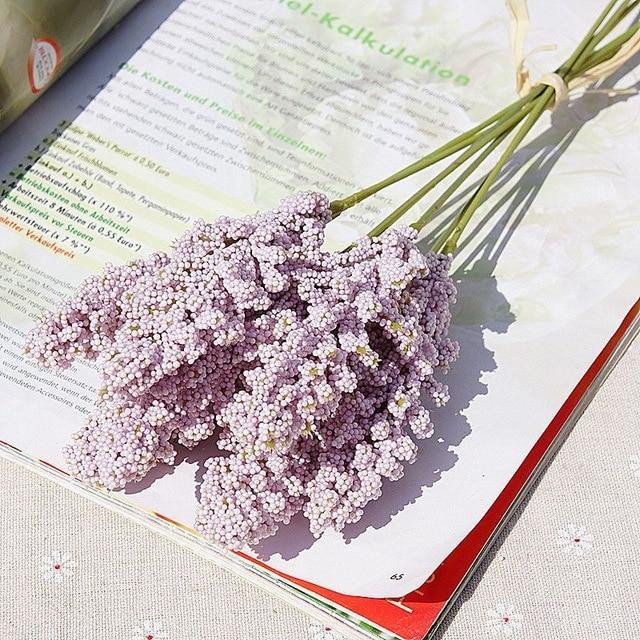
[[509, 126]]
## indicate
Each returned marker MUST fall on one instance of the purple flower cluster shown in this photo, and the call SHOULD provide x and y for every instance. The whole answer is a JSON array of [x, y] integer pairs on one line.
[[310, 367]]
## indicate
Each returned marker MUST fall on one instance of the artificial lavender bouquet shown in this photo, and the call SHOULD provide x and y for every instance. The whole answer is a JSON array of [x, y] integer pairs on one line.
[[314, 371]]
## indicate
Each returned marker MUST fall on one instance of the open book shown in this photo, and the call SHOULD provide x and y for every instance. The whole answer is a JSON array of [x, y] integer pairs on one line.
[[198, 108]]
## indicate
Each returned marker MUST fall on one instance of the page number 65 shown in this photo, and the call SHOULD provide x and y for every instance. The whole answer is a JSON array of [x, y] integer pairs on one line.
[[397, 576]]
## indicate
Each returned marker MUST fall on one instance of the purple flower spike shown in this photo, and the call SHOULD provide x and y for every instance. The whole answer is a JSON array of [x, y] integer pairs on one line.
[[308, 366]]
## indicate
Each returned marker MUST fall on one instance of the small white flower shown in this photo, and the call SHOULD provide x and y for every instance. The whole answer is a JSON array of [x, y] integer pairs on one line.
[[149, 630], [504, 620], [575, 541], [318, 631], [634, 464], [57, 566]]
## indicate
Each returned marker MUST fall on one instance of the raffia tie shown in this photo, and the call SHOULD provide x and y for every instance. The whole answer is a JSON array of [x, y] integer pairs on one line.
[[520, 27]]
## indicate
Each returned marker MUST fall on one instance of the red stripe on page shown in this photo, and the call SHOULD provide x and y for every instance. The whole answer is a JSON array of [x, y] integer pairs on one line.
[[53, 466], [8, 444]]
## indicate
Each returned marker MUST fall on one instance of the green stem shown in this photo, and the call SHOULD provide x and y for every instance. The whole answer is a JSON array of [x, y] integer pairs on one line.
[[483, 139], [620, 14], [447, 243], [455, 145], [581, 53], [395, 215], [428, 215], [606, 52], [496, 131]]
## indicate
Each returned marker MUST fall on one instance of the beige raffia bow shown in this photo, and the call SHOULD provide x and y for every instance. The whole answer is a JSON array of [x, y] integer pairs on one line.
[[519, 29]]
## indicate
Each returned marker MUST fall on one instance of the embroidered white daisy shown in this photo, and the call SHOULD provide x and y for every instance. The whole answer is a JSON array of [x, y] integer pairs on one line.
[[575, 541], [57, 566], [319, 631], [504, 620], [149, 630], [634, 465]]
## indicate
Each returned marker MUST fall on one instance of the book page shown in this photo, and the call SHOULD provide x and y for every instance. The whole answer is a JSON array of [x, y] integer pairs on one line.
[[227, 108]]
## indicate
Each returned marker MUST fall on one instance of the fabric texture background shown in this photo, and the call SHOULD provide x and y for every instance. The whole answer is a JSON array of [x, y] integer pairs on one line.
[[565, 567]]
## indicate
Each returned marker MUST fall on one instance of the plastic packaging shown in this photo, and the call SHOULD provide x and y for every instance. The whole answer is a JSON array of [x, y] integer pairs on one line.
[[39, 39]]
